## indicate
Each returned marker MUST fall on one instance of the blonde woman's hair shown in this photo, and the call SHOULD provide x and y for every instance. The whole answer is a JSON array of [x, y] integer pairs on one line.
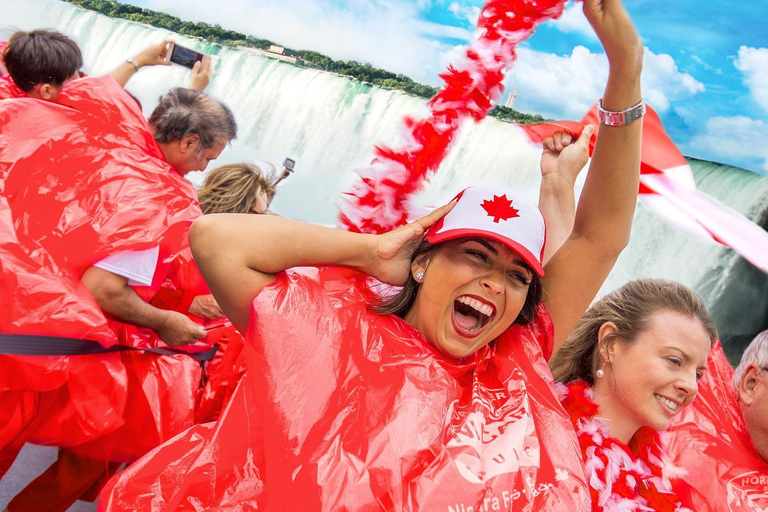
[[756, 353], [235, 188], [629, 308]]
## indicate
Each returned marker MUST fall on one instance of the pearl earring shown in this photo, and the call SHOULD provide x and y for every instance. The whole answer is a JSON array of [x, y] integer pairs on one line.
[[419, 276], [601, 373]]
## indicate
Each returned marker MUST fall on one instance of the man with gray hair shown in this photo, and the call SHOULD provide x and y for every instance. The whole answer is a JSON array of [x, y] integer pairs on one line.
[[721, 440], [190, 129], [750, 384]]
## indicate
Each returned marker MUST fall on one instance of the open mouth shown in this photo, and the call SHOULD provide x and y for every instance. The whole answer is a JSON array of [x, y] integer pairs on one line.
[[471, 315], [668, 404]]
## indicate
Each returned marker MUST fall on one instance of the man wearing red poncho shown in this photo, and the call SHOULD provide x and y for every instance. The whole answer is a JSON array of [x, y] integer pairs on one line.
[[113, 189], [722, 439]]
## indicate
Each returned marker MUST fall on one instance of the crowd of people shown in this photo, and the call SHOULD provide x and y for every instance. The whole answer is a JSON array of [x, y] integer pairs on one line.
[[190, 350]]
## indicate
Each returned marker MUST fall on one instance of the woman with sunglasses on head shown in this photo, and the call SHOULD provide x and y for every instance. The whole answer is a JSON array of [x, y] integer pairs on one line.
[[435, 398]]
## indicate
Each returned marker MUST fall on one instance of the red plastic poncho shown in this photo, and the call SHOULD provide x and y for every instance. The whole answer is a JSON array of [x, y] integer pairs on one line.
[[3, 71], [710, 441], [80, 180], [183, 283], [356, 411]]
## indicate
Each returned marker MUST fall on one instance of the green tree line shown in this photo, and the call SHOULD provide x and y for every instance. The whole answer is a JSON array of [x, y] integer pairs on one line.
[[216, 34]]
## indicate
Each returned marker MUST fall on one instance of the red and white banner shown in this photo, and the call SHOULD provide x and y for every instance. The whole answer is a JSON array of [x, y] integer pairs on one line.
[[667, 188]]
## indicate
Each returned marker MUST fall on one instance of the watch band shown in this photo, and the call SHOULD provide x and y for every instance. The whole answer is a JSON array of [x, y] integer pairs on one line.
[[132, 61], [626, 116]]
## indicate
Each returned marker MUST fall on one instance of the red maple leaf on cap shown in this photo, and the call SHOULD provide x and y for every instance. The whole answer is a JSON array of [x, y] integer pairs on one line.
[[500, 208]]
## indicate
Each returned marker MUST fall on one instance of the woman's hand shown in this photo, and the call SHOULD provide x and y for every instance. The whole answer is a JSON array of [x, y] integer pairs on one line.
[[563, 157], [390, 261], [616, 32]]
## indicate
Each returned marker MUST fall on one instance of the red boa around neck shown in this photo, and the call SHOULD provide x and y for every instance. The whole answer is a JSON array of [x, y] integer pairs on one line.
[[622, 478]]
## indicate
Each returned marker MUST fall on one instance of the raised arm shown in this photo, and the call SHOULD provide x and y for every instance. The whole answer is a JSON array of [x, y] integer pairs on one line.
[[239, 254], [153, 55], [561, 160], [607, 204]]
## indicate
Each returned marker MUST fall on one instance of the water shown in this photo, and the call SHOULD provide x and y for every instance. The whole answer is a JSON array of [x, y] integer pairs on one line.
[[329, 125]]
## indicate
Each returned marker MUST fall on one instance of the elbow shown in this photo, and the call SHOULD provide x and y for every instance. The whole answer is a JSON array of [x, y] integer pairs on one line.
[[106, 288], [610, 250], [602, 247], [201, 236]]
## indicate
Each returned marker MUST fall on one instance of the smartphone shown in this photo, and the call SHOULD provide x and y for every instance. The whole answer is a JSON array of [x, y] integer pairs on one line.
[[288, 163], [185, 57]]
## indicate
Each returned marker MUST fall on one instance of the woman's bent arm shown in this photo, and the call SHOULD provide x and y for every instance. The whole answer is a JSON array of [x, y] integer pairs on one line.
[[239, 254]]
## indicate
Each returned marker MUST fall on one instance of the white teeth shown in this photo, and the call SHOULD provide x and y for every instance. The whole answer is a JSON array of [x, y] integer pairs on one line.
[[666, 401], [475, 304]]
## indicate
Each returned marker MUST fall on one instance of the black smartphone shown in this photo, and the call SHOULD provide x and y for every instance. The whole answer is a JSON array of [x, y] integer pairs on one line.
[[288, 163], [185, 57]]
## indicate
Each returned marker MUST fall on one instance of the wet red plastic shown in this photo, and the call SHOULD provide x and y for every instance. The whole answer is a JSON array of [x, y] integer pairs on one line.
[[343, 409]]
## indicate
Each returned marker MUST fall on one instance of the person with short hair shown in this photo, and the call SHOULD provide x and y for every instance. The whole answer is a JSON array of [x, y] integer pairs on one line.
[[721, 441], [122, 172], [190, 129], [630, 365], [40, 62], [750, 384]]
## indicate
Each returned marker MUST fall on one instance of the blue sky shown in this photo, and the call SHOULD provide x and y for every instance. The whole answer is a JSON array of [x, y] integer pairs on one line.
[[705, 71]]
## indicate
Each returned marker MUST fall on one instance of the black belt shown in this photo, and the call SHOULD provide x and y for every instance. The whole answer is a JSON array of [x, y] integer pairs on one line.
[[34, 345]]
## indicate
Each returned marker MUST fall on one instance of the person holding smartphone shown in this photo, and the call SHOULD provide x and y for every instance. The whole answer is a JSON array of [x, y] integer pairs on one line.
[[162, 54]]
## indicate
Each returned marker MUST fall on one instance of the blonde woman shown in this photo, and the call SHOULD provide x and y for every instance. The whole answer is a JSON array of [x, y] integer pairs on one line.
[[238, 188]]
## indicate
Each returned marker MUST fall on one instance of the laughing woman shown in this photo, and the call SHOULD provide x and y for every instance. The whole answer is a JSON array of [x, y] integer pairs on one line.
[[435, 398], [631, 364]]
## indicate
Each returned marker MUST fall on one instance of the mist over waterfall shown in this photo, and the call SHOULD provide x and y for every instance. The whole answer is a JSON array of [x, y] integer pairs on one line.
[[329, 125]]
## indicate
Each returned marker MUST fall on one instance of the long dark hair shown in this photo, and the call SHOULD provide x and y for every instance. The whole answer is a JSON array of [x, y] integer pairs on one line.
[[401, 302]]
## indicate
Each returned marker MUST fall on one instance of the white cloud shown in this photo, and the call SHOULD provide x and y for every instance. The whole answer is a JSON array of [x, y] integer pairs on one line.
[[664, 83], [389, 34], [573, 20], [436, 30], [733, 138], [567, 86], [558, 86], [753, 62], [468, 13]]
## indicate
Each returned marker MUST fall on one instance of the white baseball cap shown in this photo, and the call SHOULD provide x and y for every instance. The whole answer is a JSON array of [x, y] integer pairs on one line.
[[499, 215]]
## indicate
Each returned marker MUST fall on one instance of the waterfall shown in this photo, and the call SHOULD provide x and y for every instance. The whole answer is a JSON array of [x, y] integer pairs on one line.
[[329, 125]]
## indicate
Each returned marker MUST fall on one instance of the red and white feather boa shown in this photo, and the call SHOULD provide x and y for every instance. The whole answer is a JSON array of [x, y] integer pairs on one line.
[[621, 478], [379, 202]]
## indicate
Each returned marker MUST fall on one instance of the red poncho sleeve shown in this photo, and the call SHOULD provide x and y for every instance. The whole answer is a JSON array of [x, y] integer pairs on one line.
[[709, 439]]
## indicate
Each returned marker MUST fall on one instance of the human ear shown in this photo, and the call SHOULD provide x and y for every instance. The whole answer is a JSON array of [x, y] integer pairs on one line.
[[46, 92], [748, 384], [42, 91], [189, 143], [606, 341], [419, 265]]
